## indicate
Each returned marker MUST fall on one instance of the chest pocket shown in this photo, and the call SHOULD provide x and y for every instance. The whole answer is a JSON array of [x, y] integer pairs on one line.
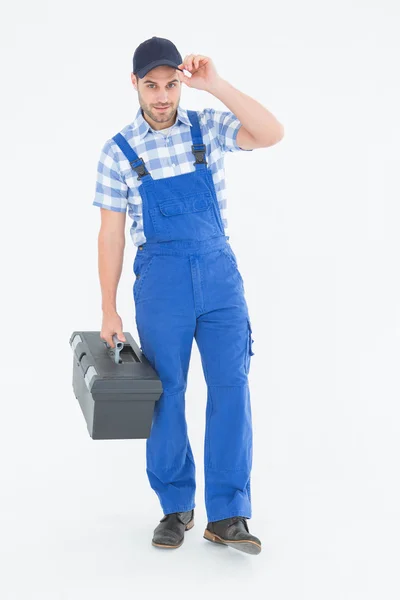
[[188, 217]]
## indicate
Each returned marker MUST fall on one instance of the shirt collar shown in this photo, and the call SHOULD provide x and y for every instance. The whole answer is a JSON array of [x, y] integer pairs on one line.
[[141, 126]]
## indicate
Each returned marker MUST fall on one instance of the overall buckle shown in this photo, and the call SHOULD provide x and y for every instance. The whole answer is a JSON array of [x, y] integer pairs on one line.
[[140, 169], [199, 151]]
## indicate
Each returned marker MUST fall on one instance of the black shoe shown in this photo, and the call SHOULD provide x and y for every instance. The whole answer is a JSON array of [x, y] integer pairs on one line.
[[233, 532], [171, 530]]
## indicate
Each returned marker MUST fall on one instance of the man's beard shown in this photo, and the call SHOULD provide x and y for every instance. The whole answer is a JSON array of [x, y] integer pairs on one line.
[[154, 114]]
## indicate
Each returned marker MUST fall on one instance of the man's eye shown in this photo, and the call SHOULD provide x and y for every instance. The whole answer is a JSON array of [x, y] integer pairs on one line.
[[150, 85]]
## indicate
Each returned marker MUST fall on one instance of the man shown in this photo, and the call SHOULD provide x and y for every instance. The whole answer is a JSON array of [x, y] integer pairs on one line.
[[166, 168]]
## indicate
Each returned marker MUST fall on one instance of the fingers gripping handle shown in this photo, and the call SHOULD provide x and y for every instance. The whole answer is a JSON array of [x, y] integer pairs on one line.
[[115, 352]]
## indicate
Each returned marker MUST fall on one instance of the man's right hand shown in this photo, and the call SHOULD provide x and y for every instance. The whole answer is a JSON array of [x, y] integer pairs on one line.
[[112, 324]]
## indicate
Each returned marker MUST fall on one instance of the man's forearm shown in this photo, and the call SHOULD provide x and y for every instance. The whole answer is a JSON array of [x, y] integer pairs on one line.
[[254, 117], [110, 260]]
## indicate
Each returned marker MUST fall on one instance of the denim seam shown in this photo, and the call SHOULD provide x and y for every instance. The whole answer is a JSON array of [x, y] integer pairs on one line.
[[208, 423], [143, 278], [228, 386], [181, 252], [234, 263], [218, 470], [175, 465]]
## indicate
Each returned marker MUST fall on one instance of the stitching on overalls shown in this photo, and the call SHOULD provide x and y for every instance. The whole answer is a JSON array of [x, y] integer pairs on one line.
[[138, 285], [234, 263]]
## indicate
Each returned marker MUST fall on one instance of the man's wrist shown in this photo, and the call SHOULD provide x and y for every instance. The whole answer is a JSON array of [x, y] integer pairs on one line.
[[217, 86]]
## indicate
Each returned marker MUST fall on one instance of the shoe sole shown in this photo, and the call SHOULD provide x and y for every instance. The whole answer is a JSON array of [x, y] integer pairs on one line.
[[247, 546], [188, 526]]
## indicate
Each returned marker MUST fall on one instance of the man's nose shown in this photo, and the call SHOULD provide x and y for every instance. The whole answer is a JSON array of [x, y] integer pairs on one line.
[[163, 98]]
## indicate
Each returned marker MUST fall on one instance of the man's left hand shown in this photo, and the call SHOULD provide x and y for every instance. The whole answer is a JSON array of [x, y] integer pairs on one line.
[[204, 74]]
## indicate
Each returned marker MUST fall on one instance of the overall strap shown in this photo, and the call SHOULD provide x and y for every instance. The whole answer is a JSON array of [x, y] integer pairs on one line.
[[198, 148], [136, 163]]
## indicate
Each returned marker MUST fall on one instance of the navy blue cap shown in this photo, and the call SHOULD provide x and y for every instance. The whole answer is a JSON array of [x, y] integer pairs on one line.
[[155, 52]]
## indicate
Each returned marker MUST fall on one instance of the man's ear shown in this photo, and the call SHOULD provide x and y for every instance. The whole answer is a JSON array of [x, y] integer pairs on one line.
[[134, 82]]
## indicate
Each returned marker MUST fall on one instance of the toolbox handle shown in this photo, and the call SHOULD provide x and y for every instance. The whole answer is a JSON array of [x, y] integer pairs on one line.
[[114, 352]]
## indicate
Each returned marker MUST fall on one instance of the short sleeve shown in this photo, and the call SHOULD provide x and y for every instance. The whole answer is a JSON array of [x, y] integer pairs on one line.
[[111, 190], [225, 126]]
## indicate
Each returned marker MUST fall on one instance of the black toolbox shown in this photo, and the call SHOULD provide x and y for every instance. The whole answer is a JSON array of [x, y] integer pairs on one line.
[[117, 388]]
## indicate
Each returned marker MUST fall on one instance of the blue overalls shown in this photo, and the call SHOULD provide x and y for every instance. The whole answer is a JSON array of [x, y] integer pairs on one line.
[[187, 286]]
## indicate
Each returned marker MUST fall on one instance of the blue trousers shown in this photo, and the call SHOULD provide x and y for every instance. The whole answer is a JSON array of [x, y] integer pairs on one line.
[[185, 290]]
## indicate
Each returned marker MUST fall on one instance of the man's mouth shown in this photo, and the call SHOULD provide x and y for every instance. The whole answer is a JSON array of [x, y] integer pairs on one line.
[[161, 108]]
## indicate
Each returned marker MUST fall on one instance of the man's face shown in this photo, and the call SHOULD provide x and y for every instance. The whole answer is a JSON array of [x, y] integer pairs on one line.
[[160, 87]]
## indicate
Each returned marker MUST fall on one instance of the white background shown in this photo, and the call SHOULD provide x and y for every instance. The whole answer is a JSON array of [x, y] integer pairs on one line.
[[314, 222]]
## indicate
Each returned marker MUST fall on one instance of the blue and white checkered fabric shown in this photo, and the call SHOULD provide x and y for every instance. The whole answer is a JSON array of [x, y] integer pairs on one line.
[[165, 155]]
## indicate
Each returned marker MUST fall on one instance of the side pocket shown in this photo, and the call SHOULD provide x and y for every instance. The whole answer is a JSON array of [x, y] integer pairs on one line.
[[232, 258], [141, 269], [231, 255]]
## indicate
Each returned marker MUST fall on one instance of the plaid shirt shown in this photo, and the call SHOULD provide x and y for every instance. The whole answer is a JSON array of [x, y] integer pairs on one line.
[[165, 155]]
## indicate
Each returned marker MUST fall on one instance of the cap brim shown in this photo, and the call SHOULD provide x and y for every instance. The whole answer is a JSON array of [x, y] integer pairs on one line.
[[157, 63]]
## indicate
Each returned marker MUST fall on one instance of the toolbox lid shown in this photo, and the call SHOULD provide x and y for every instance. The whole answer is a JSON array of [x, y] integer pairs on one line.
[[133, 374]]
